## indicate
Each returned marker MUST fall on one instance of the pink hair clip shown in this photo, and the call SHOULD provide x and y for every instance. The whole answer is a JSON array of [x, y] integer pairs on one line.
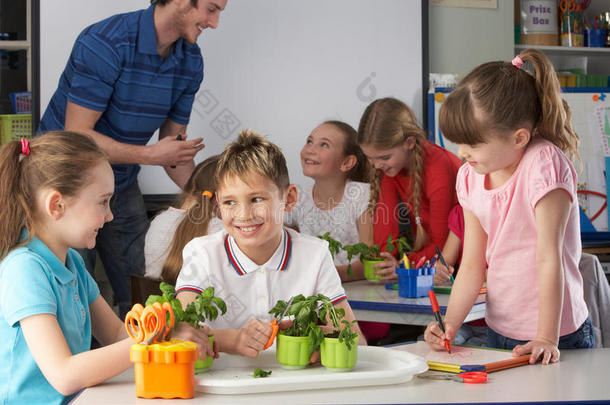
[[25, 146], [517, 62]]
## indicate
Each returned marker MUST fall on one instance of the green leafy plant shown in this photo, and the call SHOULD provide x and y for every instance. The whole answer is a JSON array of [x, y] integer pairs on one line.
[[373, 252], [399, 243], [260, 373], [304, 311], [333, 245], [309, 313], [204, 307]]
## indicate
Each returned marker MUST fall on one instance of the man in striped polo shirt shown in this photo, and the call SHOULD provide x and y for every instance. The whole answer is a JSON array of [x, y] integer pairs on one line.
[[127, 76]]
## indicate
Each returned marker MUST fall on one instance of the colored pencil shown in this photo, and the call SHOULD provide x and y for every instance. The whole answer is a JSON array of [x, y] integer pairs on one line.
[[442, 259], [504, 364], [439, 318], [450, 368]]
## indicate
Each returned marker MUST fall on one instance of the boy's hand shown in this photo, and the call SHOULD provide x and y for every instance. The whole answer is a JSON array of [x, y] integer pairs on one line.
[[387, 268], [200, 337], [252, 338], [442, 275], [539, 348], [435, 336]]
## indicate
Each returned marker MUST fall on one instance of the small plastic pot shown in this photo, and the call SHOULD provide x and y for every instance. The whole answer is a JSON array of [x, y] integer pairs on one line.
[[335, 355], [201, 366], [369, 270], [292, 352]]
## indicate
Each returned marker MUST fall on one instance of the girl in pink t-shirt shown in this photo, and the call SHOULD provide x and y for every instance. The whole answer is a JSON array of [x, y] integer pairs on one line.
[[518, 192]]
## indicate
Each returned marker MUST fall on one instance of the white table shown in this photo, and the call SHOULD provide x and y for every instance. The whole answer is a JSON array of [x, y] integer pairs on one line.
[[373, 302], [581, 375]]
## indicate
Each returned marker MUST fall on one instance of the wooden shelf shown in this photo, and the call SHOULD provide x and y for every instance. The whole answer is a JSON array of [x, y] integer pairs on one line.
[[566, 50]]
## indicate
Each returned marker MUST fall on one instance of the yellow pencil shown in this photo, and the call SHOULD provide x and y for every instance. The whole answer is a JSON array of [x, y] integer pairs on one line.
[[405, 260], [451, 368]]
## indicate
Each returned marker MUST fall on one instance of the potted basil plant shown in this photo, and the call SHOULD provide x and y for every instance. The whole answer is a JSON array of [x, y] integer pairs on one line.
[[204, 307], [371, 255], [296, 344]]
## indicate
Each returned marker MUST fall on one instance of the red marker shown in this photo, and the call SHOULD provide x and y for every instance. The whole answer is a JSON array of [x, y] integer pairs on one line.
[[439, 318], [420, 262]]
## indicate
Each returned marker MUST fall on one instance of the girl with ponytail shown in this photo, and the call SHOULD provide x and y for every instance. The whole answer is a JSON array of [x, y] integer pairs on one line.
[[175, 227], [521, 215], [55, 195]]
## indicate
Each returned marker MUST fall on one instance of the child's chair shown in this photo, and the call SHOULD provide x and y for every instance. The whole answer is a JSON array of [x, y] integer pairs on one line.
[[142, 287], [597, 297]]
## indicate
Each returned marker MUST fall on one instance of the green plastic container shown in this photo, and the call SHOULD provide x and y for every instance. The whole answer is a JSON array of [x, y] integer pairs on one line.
[[292, 351], [369, 270], [336, 357], [201, 366]]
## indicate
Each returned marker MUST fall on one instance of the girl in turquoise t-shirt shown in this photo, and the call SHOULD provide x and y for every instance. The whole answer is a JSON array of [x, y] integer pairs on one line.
[[54, 195]]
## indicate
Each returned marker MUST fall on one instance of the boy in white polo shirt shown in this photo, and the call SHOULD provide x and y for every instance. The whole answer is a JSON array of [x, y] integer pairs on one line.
[[255, 261]]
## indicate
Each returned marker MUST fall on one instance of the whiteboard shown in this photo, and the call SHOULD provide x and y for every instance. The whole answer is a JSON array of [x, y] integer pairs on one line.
[[280, 67], [587, 107]]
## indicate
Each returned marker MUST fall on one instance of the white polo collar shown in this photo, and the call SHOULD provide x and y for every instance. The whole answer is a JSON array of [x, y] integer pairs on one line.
[[242, 263]]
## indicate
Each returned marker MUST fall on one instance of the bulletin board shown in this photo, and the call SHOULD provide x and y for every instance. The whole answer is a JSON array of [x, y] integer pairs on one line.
[[591, 121], [280, 67]]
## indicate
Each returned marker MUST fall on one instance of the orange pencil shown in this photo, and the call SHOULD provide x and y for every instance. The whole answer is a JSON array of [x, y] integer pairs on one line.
[[504, 364]]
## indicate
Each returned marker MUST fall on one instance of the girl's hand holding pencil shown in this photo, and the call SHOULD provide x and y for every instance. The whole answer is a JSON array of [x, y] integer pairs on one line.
[[435, 337], [443, 274]]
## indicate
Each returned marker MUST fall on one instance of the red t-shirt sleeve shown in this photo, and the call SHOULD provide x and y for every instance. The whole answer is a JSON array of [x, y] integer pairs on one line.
[[440, 193], [385, 222]]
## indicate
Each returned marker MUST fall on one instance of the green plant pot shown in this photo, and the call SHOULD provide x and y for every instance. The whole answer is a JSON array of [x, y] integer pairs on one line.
[[201, 366], [292, 352], [369, 270], [336, 357]]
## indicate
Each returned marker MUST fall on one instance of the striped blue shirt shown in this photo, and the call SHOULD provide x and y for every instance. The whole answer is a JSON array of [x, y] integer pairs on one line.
[[115, 68]]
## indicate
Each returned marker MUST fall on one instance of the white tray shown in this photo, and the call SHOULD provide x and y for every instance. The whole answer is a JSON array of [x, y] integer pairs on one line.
[[232, 374]]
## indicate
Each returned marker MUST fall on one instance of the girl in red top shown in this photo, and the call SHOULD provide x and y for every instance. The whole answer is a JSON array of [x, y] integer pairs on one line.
[[414, 186]]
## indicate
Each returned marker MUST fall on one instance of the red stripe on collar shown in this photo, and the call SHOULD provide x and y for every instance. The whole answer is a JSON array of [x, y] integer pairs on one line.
[[287, 251], [231, 258]]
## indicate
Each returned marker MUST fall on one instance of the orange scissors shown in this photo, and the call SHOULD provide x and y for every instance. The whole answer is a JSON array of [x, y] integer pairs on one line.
[[471, 377], [275, 324], [149, 324], [568, 5]]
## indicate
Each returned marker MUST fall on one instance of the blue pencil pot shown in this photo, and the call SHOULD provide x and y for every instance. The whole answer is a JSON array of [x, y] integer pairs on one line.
[[413, 283], [595, 38]]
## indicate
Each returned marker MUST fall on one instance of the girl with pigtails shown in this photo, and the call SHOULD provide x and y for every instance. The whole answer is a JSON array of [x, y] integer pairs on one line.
[[413, 189], [521, 216]]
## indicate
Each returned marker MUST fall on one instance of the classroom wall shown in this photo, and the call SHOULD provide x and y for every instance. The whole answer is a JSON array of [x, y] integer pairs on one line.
[[462, 38], [277, 66]]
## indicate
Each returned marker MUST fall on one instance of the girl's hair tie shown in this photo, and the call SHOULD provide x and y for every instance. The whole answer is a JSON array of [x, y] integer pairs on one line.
[[517, 62], [25, 146], [207, 194]]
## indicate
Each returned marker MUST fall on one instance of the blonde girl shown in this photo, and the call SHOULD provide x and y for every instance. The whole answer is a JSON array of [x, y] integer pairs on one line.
[[413, 189], [54, 195], [338, 201], [175, 227], [521, 216]]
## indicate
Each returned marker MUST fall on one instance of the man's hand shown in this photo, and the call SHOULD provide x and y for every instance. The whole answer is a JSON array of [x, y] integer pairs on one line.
[[172, 152]]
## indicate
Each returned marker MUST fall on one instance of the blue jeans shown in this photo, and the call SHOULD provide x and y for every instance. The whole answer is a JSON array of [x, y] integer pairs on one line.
[[120, 244], [582, 338]]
